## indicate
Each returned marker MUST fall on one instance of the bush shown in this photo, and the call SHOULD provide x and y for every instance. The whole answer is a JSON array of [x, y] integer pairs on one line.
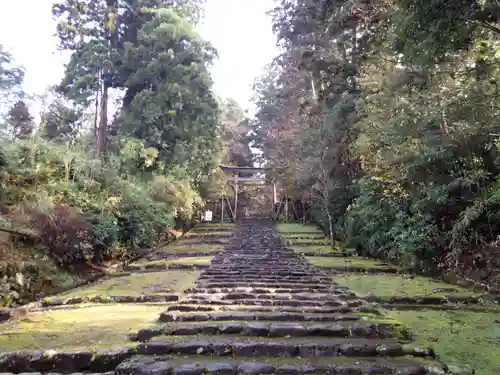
[[66, 233], [141, 219]]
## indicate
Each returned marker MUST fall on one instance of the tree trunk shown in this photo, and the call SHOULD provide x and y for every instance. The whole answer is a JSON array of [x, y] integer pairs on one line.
[[330, 227], [103, 125], [96, 109]]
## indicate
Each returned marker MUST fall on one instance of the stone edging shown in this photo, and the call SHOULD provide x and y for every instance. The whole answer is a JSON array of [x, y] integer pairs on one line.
[[63, 362], [324, 254], [426, 300], [336, 270], [47, 302], [260, 368], [178, 255]]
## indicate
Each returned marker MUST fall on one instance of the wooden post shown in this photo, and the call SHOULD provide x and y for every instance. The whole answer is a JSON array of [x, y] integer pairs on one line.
[[235, 195], [286, 208], [275, 199], [222, 209]]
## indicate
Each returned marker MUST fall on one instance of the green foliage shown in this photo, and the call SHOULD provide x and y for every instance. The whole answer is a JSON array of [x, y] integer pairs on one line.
[[387, 114], [11, 77], [100, 212], [95, 190]]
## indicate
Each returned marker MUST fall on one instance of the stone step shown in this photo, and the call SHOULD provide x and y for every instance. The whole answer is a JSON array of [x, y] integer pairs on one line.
[[199, 365], [230, 273], [51, 302], [264, 273], [281, 329], [331, 289], [304, 347], [298, 280], [294, 272], [169, 316], [235, 265], [274, 296], [175, 255], [278, 260], [270, 302], [292, 309], [226, 284]]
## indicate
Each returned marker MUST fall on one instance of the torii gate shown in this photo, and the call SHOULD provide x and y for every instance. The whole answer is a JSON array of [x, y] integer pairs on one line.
[[247, 181]]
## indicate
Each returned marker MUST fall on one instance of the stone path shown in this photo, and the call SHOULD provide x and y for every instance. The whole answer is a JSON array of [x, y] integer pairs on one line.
[[259, 308]]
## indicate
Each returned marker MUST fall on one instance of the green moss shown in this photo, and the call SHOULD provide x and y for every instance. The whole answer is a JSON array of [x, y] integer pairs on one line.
[[166, 282], [183, 260], [197, 240], [463, 338], [344, 262], [200, 248], [191, 260], [297, 228], [303, 235], [398, 285], [321, 249], [318, 242], [89, 328], [215, 225], [208, 234]]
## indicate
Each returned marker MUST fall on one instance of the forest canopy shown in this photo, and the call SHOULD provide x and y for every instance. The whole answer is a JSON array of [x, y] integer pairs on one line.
[[387, 114]]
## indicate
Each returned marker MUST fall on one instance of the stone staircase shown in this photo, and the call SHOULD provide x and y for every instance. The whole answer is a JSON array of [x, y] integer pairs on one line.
[[259, 308]]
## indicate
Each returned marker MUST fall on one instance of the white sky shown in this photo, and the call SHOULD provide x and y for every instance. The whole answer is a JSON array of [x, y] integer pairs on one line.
[[239, 29]]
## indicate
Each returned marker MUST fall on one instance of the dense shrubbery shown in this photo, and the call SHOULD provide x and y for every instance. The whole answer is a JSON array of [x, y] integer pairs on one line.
[[84, 213]]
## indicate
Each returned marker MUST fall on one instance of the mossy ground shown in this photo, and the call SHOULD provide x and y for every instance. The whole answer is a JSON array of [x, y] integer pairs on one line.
[[165, 282], [199, 240], [184, 260], [201, 235], [306, 241], [215, 225], [463, 338], [89, 328], [297, 228], [322, 249], [344, 262], [292, 236], [383, 285], [199, 248]]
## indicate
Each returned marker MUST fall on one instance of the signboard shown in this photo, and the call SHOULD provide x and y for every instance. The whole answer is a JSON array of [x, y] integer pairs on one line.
[[208, 216]]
